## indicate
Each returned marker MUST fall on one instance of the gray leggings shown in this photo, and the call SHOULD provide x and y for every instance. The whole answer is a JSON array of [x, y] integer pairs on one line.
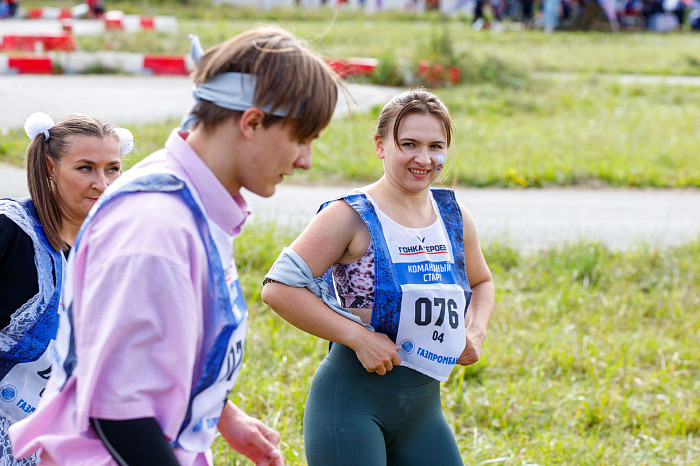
[[354, 417]]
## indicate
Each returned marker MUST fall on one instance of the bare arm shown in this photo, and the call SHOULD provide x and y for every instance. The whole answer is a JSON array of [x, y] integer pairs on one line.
[[483, 297], [337, 234]]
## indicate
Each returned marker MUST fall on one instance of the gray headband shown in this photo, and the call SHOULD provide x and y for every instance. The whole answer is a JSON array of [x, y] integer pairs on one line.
[[232, 91]]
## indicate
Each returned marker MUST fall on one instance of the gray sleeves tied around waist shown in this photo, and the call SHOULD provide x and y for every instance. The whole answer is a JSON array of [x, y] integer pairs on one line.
[[291, 270]]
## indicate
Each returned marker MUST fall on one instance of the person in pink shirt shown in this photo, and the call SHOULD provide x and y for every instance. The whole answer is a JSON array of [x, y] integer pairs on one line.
[[152, 323]]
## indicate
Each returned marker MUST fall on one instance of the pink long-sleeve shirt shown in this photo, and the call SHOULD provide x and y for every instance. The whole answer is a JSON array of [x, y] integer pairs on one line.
[[140, 288]]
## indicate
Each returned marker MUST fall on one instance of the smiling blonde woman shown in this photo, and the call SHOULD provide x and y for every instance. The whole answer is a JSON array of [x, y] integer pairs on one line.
[[406, 264]]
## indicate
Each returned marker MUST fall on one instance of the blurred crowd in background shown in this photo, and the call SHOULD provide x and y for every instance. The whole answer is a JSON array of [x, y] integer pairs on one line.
[[549, 15]]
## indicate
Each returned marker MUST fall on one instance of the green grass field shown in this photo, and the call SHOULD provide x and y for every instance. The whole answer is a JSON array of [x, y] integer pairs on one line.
[[593, 355], [551, 132]]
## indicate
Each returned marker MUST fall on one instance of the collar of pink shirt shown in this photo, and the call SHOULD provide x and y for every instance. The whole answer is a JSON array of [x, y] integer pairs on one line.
[[228, 211]]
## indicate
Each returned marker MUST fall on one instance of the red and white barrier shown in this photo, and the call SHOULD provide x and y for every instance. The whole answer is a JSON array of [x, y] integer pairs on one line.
[[132, 63], [37, 42], [112, 20], [25, 65], [353, 66], [58, 13], [138, 63], [163, 64], [117, 20], [79, 62]]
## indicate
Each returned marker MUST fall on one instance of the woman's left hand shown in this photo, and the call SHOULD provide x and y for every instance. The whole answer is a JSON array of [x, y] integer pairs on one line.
[[472, 350]]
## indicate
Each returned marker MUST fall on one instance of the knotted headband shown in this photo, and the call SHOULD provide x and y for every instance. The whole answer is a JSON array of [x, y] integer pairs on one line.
[[232, 91]]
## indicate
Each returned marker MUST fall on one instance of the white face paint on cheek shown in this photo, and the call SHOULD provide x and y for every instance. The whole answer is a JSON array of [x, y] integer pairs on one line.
[[440, 162]]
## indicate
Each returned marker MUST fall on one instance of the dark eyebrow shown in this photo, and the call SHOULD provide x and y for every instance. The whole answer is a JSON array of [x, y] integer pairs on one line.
[[90, 162], [408, 139]]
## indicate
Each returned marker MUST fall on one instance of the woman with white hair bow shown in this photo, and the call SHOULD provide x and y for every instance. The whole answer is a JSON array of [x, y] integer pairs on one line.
[[69, 165]]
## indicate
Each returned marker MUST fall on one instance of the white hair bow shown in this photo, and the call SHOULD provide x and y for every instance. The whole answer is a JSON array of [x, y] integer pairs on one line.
[[37, 123], [126, 140]]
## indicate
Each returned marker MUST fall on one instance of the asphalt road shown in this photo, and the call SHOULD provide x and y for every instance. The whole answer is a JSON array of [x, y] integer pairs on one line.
[[526, 219], [536, 218], [126, 100]]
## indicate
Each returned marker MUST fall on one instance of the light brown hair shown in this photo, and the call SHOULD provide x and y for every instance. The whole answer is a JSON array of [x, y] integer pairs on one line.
[[412, 101], [38, 181], [288, 76]]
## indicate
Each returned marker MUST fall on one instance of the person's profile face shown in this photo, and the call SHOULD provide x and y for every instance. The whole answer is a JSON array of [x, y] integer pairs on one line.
[[278, 154], [87, 167]]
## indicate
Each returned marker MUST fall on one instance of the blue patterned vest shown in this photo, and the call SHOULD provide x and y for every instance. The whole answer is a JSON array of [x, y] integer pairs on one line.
[[26, 344], [421, 289]]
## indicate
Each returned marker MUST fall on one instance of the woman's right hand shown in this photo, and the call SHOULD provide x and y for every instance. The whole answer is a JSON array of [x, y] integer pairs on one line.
[[377, 352]]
